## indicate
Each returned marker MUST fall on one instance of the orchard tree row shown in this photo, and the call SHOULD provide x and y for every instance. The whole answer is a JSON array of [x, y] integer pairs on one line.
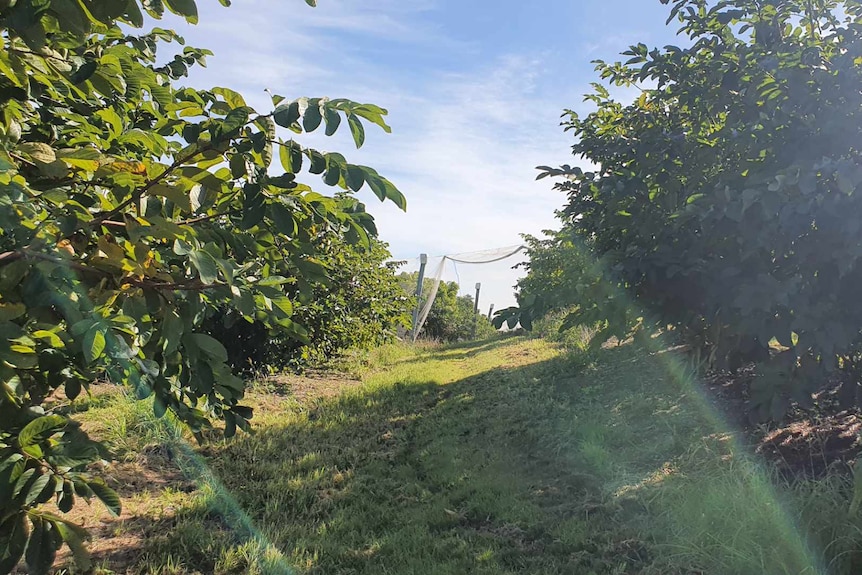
[[725, 199], [136, 214]]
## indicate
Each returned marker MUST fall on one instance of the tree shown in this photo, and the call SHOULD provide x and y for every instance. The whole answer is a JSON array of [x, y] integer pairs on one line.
[[563, 276], [359, 305], [131, 211], [721, 197], [451, 317]]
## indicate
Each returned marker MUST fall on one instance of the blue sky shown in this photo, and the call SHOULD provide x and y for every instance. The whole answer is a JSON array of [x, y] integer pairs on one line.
[[474, 89]]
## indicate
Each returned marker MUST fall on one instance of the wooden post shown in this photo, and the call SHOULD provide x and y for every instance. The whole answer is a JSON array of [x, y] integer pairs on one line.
[[423, 261], [491, 312], [476, 310]]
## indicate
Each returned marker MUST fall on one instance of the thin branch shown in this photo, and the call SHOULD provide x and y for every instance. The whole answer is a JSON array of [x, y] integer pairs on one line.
[[9, 257], [194, 284], [138, 194], [204, 218], [189, 222]]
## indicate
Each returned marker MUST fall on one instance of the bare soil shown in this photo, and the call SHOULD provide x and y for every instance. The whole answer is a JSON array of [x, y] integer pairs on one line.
[[806, 443], [141, 484]]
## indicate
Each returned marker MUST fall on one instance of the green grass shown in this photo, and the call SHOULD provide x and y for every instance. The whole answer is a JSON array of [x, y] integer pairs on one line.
[[507, 456]]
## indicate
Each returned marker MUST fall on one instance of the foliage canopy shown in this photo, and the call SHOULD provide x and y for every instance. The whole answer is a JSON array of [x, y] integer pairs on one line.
[[562, 274], [131, 210], [724, 197], [361, 304], [452, 316]]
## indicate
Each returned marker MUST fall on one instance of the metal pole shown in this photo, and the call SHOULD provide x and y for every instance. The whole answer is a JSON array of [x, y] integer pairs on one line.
[[491, 312], [423, 260], [476, 309]]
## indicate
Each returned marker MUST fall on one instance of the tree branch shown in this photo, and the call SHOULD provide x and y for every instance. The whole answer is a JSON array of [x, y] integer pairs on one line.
[[194, 284], [189, 222], [138, 194]]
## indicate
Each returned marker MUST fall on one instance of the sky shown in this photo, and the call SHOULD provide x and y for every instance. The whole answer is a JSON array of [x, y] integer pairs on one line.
[[474, 90]]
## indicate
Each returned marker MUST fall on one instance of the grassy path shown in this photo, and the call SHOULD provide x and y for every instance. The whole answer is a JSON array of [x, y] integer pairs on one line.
[[500, 457]]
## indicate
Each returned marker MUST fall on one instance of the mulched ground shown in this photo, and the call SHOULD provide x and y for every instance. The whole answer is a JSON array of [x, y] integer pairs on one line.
[[805, 443]]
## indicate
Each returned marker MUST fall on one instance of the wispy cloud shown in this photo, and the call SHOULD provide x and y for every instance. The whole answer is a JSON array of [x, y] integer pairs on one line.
[[467, 136]]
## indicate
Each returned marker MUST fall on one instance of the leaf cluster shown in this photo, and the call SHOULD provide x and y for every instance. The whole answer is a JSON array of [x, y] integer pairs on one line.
[[722, 197], [132, 210]]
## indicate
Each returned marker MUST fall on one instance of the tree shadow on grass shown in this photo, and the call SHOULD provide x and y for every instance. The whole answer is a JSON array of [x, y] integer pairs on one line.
[[461, 350], [425, 478], [543, 468]]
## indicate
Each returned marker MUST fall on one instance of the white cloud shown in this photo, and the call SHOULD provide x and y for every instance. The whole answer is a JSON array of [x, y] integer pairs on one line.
[[467, 164], [464, 145]]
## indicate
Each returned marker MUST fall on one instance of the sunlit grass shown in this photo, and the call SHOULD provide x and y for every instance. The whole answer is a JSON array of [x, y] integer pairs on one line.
[[507, 456]]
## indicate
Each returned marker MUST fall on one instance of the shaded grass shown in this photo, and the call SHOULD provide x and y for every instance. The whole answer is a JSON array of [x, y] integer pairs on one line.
[[505, 456]]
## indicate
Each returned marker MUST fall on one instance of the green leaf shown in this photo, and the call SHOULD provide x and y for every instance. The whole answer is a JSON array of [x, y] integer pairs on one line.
[[284, 304], [233, 99], [318, 162], [202, 197], [334, 163], [36, 488], [74, 537], [206, 266], [94, 343], [84, 72], [40, 429], [24, 480], [210, 346], [13, 540], [41, 548], [186, 8], [133, 15], [333, 120], [355, 177], [52, 338], [10, 311], [177, 195], [238, 166], [357, 129], [106, 495], [229, 425], [290, 155], [253, 206], [311, 118], [67, 497], [235, 119], [38, 151], [373, 114], [172, 331], [159, 407], [384, 189], [284, 220], [286, 115], [270, 281]]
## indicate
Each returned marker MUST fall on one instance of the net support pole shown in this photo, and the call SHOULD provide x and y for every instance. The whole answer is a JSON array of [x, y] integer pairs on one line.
[[476, 309], [423, 261]]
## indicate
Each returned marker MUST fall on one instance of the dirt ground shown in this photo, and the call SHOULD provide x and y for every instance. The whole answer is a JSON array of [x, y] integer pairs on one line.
[[805, 443], [119, 540]]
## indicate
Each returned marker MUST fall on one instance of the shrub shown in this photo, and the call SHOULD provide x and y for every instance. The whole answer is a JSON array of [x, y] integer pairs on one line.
[[723, 197]]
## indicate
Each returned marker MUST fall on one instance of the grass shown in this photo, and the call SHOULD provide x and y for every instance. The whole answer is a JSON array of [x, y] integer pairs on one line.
[[506, 456]]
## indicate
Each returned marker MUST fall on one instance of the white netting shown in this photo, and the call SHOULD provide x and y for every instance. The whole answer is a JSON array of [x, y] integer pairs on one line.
[[481, 257], [485, 256]]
